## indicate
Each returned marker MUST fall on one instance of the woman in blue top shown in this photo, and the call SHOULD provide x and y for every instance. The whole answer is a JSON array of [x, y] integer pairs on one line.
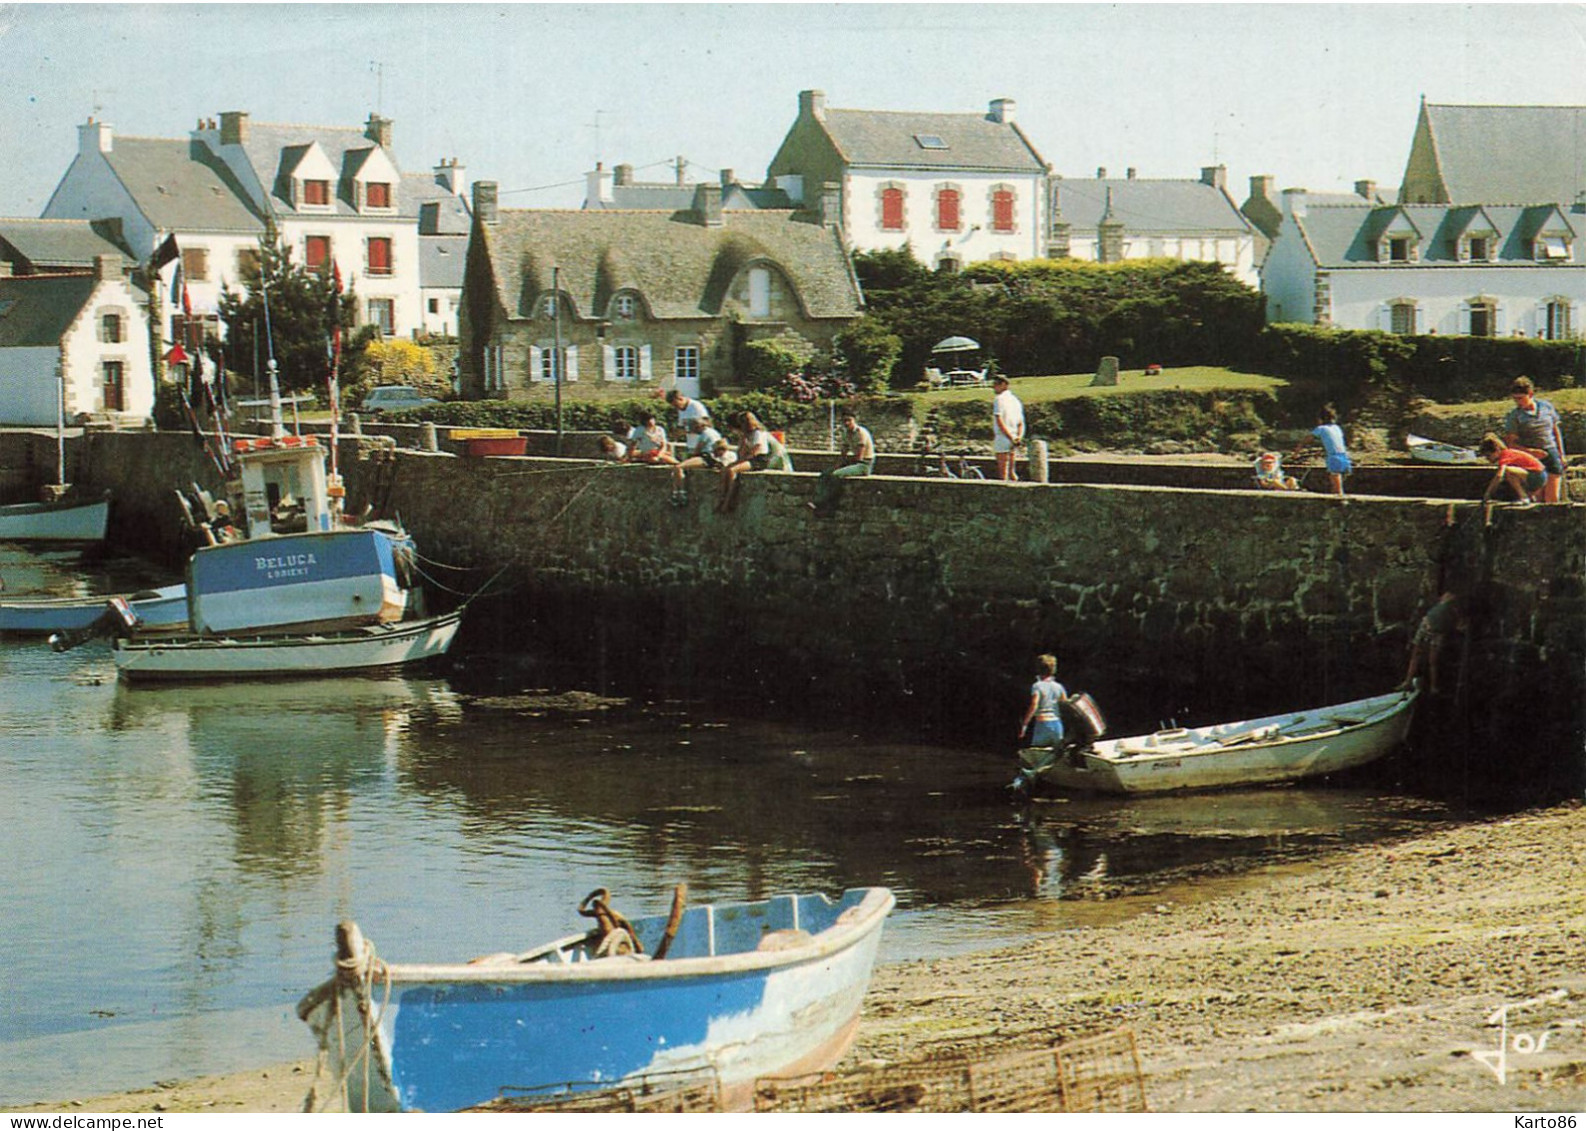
[[1331, 437], [1045, 695]]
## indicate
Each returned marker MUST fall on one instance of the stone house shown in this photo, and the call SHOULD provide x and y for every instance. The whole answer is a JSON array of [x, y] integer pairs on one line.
[[1484, 270], [1107, 220], [334, 195], [77, 343], [642, 298], [956, 188]]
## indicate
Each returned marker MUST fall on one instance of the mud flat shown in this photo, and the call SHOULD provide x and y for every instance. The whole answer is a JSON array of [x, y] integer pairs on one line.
[[1366, 981]]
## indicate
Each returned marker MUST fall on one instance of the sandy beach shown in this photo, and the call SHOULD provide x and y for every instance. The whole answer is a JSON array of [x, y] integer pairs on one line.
[[1365, 981]]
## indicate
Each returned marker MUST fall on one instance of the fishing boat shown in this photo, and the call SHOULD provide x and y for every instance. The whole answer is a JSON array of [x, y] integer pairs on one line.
[[283, 655], [1435, 451], [72, 520], [1279, 748], [733, 991], [163, 609]]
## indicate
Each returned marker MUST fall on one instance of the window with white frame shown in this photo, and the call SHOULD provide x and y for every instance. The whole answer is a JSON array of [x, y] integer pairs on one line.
[[1483, 317], [685, 363], [1402, 318], [1401, 249], [548, 306], [625, 363], [495, 368], [1551, 247], [110, 328], [759, 292], [1556, 320], [625, 306], [382, 313], [1478, 249]]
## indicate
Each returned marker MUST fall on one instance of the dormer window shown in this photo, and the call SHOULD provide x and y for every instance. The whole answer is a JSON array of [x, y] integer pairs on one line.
[[377, 194], [1400, 249], [624, 306], [1478, 249], [548, 306], [1551, 247], [316, 192]]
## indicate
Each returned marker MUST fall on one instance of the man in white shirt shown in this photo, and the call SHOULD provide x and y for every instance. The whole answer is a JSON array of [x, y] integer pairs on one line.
[[1007, 424], [687, 408]]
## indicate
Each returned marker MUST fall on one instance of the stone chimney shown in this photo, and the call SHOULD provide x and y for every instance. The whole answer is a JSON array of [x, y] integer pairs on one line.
[[107, 267], [1060, 239], [812, 104], [1294, 201], [1130, 172], [378, 130], [624, 174], [233, 127], [1261, 210], [95, 137], [597, 186], [831, 208], [1215, 175], [485, 193], [728, 179], [449, 175], [1109, 236], [1002, 111], [1101, 172], [707, 204], [1367, 189], [680, 164]]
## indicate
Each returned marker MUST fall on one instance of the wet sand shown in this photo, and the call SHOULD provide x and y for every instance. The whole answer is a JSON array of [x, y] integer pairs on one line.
[[1364, 981]]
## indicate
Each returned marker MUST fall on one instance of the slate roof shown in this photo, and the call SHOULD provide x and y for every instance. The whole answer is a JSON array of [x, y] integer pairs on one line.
[[677, 197], [57, 244], [1151, 206], [1343, 235], [1510, 154], [439, 211], [441, 261], [680, 267], [888, 138], [179, 184], [275, 150], [36, 310]]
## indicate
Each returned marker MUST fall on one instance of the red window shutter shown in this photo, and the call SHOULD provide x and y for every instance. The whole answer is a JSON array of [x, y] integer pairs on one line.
[[947, 210], [316, 192], [379, 256], [1002, 211], [892, 210], [316, 250], [378, 195]]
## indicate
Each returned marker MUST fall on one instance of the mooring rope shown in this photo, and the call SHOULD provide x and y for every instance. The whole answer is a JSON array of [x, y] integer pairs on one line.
[[363, 971]]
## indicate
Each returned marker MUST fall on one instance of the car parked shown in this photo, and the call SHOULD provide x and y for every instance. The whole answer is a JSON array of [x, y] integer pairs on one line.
[[391, 398]]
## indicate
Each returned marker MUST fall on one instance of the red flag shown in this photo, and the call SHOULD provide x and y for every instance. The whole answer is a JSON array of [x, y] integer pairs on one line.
[[187, 303]]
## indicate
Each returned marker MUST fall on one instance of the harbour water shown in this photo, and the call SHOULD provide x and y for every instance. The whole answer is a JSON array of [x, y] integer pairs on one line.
[[175, 859]]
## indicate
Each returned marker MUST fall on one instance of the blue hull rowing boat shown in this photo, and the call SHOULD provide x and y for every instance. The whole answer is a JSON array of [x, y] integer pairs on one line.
[[745, 990], [74, 522], [158, 610]]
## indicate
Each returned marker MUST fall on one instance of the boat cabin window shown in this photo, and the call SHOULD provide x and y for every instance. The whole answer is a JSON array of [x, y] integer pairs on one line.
[[283, 489]]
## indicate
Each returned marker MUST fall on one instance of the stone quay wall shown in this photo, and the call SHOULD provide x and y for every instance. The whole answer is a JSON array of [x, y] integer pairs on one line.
[[923, 602]]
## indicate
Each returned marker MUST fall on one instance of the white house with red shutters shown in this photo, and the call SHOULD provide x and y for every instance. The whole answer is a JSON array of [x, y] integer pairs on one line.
[[956, 188], [334, 195]]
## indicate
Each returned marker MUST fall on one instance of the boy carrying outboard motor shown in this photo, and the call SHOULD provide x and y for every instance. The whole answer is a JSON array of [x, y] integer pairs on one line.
[[1059, 724]]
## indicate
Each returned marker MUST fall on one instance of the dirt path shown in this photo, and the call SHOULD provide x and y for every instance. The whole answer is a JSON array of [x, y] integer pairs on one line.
[[1363, 984]]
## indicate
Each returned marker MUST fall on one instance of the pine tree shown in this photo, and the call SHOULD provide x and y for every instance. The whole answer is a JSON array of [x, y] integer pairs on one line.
[[301, 301]]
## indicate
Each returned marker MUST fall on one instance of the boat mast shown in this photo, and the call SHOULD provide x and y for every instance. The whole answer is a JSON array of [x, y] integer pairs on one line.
[[60, 426], [277, 427]]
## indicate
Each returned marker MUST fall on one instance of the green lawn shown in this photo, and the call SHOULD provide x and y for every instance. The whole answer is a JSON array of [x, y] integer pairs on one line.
[[1565, 400], [1199, 378]]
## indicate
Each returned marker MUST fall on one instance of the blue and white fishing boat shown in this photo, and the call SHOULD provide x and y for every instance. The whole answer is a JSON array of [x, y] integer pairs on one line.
[[158, 610], [74, 520], [731, 991]]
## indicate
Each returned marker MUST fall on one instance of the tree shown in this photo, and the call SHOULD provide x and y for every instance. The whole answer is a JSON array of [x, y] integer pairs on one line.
[[297, 330]]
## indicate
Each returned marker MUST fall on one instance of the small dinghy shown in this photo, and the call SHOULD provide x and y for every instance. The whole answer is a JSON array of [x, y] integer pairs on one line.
[[731, 991], [158, 610], [1279, 748], [78, 521], [1435, 451]]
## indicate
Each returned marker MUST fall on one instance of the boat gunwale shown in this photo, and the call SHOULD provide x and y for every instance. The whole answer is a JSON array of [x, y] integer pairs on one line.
[[367, 633], [876, 905]]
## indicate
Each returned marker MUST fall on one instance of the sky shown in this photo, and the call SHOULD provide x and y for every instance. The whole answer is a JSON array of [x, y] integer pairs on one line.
[[531, 95]]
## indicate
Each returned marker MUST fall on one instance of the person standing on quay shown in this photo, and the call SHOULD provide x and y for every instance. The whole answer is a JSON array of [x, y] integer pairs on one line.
[[1331, 438], [1533, 425], [1007, 424]]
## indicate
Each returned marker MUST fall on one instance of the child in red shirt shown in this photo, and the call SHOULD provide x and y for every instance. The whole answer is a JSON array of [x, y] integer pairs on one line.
[[1518, 470]]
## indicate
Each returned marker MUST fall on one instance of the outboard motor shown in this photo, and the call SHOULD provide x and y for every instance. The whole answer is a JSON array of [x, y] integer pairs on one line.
[[118, 619]]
